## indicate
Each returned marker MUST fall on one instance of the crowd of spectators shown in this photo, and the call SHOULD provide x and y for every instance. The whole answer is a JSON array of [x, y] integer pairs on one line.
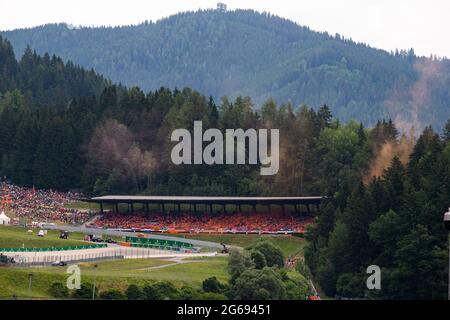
[[41, 205], [238, 222], [51, 206]]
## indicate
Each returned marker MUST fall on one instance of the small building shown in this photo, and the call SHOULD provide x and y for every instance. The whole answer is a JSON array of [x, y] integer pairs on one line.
[[4, 219], [221, 7]]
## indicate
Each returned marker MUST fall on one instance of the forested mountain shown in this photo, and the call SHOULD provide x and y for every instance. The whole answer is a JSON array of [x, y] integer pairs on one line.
[[259, 55], [44, 80], [39, 138], [386, 192]]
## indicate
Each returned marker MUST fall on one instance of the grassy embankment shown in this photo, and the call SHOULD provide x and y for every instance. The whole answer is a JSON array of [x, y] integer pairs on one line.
[[119, 274]]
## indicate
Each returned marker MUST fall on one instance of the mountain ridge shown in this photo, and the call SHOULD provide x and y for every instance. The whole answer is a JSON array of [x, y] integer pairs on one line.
[[259, 55]]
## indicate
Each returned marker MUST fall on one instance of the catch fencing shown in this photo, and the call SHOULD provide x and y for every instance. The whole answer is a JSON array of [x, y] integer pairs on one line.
[[49, 258], [66, 248]]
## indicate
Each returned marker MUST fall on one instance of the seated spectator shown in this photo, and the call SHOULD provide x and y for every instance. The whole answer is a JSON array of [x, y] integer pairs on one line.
[[260, 222], [41, 205]]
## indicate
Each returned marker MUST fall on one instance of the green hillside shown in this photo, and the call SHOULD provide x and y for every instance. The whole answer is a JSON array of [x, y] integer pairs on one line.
[[46, 81], [259, 55]]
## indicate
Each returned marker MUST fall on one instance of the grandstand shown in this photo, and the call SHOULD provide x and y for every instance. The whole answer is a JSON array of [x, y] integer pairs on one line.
[[308, 202], [208, 220]]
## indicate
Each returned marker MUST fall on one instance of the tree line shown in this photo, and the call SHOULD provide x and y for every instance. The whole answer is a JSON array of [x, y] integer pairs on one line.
[[244, 52], [118, 142], [394, 222]]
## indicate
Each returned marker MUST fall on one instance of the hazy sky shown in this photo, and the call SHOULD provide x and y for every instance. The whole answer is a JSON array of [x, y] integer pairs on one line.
[[388, 24]]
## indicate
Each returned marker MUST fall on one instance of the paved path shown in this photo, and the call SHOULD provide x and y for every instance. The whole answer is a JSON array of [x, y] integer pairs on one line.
[[92, 220], [314, 289], [172, 264], [175, 261]]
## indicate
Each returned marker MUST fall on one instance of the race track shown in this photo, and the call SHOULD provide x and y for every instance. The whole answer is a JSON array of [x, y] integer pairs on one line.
[[112, 252], [197, 243]]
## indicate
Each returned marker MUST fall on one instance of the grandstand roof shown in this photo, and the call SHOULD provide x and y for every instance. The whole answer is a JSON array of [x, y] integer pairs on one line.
[[207, 200]]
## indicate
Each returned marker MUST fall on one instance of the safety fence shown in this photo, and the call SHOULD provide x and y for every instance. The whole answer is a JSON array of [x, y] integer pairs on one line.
[[158, 243], [160, 247], [67, 248], [47, 259], [61, 260]]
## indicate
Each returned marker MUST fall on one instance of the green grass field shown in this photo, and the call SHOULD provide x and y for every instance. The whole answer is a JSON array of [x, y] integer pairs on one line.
[[112, 274], [288, 244], [121, 273], [109, 274], [16, 237]]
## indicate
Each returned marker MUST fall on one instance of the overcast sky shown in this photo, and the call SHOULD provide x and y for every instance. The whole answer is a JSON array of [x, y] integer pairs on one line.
[[387, 24]]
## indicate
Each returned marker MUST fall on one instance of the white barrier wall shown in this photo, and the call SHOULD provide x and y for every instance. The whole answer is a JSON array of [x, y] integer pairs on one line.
[[109, 253]]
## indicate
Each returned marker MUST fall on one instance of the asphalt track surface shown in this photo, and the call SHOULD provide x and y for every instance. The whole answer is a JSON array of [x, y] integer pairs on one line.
[[196, 243]]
